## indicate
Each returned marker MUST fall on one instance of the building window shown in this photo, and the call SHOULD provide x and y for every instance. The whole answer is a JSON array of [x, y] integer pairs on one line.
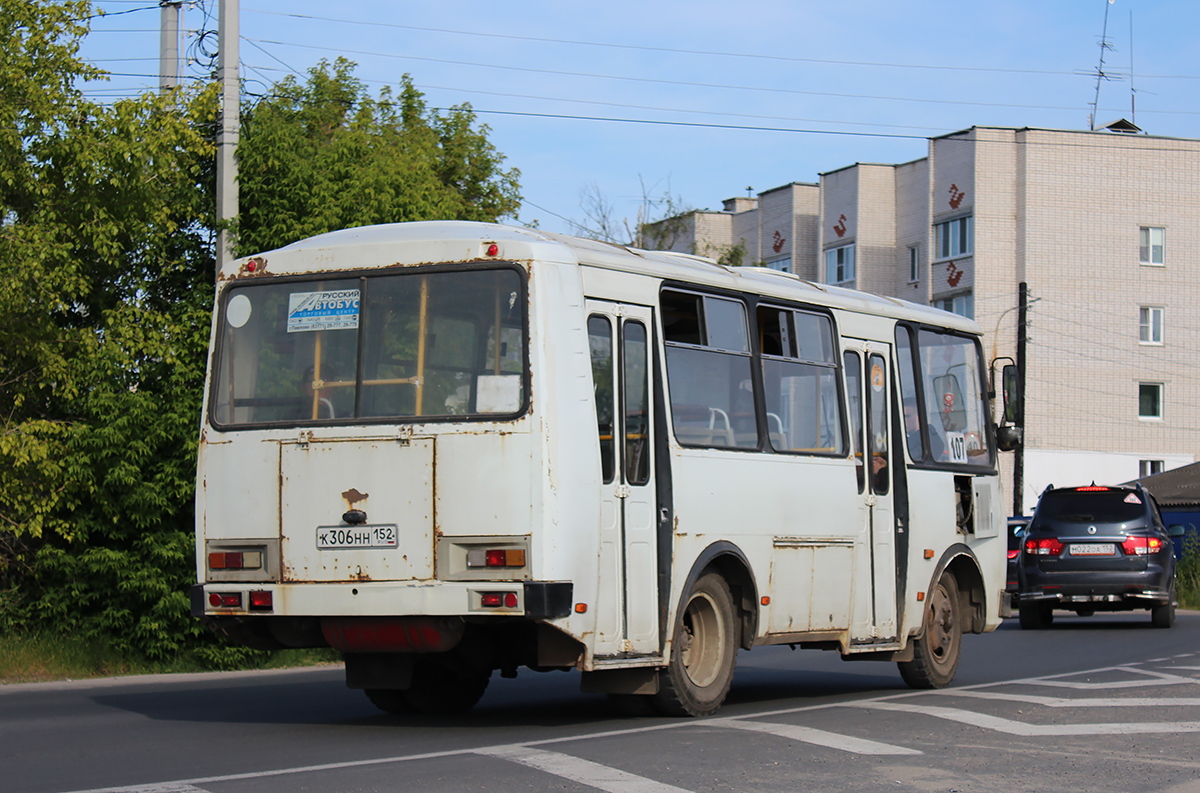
[[783, 264], [1151, 244], [839, 264], [1149, 467], [963, 305], [1150, 325], [1150, 400], [954, 237], [914, 264]]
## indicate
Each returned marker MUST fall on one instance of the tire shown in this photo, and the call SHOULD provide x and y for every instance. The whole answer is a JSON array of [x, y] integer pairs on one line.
[[936, 652], [703, 654], [438, 690], [633, 705], [1035, 616], [1164, 616], [389, 700]]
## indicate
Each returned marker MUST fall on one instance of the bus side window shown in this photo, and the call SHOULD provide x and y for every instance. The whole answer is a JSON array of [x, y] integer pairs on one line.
[[799, 368], [636, 402], [854, 391], [709, 370], [601, 347]]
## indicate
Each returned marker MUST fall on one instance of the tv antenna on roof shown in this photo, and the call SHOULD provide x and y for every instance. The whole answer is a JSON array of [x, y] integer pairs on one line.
[[1100, 75]]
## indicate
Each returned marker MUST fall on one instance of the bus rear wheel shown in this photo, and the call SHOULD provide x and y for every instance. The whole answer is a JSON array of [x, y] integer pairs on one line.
[[936, 652], [436, 690], [703, 654]]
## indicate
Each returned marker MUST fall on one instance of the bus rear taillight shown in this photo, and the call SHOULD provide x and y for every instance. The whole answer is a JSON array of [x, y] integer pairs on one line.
[[225, 600], [235, 560], [1046, 546], [261, 601], [496, 557], [495, 600]]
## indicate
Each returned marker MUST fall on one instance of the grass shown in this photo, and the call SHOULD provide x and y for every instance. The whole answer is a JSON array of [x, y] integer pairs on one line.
[[41, 658], [1187, 574]]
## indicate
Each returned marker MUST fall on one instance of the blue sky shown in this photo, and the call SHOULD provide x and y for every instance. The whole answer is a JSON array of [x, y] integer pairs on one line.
[[704, 100]]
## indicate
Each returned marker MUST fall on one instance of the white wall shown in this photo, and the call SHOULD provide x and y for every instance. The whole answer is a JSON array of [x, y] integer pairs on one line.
[[1071, 468]]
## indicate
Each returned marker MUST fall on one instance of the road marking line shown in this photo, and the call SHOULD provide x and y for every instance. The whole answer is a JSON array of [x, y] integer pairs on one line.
[[165, 787], [579, 770], [831, 740], [1012, 727], [1056, 681], [874, 702], [1087, 702]]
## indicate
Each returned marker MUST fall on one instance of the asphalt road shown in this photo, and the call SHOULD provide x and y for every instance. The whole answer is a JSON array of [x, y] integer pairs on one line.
[[1105, 703]]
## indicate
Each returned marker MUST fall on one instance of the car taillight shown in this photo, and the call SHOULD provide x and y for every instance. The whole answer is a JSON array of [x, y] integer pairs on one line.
[[1140, 546], [1046, 546], [1014, 553]]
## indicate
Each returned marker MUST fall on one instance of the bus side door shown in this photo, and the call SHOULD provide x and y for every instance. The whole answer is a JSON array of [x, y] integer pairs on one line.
[[867, 367], [627, 608]]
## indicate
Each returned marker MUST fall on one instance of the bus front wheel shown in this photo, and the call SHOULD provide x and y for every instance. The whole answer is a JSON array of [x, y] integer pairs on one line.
[[703, 654], [935, 653]]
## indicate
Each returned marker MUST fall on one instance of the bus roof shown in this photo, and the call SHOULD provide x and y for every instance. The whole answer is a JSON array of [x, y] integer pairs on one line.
[[425, 242]]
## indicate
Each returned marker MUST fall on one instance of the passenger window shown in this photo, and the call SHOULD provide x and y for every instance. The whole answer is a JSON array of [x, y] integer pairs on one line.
[[709, 370], [601, 348], [636, 403], [800, 381], [853, 367]]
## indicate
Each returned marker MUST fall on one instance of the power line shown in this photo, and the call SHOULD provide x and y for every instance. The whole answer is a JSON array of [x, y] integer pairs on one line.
[[713, 53]]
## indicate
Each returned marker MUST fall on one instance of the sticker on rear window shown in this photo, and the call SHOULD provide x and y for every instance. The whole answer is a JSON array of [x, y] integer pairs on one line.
[[1132, 499], [308, 311]]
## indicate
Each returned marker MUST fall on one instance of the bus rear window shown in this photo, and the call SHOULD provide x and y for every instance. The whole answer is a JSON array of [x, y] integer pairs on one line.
[[400, 346]]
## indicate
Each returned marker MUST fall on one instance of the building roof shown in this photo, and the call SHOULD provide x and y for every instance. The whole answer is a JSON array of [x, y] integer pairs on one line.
[[1179, 487]]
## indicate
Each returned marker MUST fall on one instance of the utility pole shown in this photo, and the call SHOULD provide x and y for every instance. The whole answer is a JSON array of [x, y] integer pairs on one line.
[[168, 45], [227, 136], [1019, 452]]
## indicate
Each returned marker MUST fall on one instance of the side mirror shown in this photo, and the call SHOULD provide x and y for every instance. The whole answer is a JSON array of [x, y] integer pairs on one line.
[[1014, 405], [1175, 531], [1008, 437]]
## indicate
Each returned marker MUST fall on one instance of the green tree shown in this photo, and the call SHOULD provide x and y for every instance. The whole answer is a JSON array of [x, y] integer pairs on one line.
[[106, 276], [324, 155], [106, 286]]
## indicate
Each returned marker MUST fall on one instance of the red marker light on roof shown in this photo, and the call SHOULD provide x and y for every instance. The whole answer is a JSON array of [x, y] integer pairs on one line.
[[1090, 489], [493, 249]]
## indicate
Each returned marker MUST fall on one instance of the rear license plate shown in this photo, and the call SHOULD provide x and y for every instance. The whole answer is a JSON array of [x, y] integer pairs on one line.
[[1093, 549], [381, 536]]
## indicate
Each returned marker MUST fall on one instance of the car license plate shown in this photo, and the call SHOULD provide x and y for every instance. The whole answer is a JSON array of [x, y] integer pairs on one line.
[[1093, 549], [381, 536]]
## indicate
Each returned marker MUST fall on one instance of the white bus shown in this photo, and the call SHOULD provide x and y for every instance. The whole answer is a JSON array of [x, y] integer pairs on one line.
[[450, 448]]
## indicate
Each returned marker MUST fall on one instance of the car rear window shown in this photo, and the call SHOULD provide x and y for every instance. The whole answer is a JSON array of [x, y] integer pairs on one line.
[[1092, 505]]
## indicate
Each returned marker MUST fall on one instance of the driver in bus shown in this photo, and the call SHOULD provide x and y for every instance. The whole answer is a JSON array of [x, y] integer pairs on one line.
[[912, 432]]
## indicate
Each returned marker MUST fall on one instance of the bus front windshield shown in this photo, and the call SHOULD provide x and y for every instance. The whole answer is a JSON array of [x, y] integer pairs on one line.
[[397, 346]]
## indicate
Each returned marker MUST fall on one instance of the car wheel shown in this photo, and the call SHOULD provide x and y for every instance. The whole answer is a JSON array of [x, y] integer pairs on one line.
[[1164, 616], [1036, 616], [935, 654]]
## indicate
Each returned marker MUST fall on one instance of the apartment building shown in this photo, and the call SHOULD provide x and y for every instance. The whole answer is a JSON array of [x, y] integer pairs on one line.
[[777, 228], [1104, 229]]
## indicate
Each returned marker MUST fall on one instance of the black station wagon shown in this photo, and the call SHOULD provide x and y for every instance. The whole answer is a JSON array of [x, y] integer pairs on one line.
[[1096, 548]]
